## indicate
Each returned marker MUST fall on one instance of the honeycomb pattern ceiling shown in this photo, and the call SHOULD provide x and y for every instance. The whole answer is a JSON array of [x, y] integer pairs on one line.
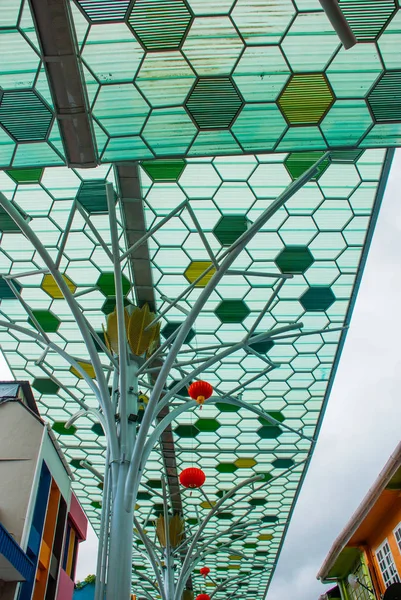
[[319, 237], [180, 78]]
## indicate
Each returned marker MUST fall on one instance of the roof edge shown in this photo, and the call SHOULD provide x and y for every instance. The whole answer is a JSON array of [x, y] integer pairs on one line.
[[390, 468]]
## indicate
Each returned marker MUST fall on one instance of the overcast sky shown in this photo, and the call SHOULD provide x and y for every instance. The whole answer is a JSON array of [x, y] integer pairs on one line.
[[362, 422]]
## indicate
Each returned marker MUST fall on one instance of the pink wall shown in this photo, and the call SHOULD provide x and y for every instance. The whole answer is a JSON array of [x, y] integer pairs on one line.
[[65, 586], [78, 517]]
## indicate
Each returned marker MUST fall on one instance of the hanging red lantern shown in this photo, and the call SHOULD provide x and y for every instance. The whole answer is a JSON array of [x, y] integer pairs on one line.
[[200, 391], [203, 597], [192, 477], [204, 571]]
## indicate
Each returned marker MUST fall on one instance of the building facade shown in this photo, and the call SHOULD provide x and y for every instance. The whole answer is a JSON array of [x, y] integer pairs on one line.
[[365, 559], [38, 510]]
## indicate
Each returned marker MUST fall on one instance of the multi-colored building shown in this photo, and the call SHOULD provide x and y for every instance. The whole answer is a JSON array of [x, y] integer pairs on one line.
[[365, 559], [41, 521]]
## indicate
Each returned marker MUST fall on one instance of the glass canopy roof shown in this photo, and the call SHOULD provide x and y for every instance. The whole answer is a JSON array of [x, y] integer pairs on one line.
[[196, 77], [320, 237]]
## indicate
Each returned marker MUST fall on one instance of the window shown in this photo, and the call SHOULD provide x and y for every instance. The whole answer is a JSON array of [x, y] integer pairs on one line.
[[360, 592], [397, 535], [386, 564]]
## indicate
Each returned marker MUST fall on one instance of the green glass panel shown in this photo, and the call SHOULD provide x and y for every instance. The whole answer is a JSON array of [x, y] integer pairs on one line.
[[214, 103], [160, 24], [350, 115], [318, 298], [61, 429], [106, 285], [269, 433], [367, 17], [25, 175], [34, 117], [187, 431], [171, 327], [299, 162], [262, 347], [104, 10], [283, 463], [207, 425], [294, 259], [385, 98], [257, 502], [97, 429], [226, 468], [45, 385], [47, 320], [230, 228], [92, 196], [227, 407], [163, 170], [232, 311]]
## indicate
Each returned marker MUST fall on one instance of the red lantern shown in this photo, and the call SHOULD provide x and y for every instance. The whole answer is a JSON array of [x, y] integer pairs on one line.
[[203, 597], [200, 391], [192, 477], [204, 571]]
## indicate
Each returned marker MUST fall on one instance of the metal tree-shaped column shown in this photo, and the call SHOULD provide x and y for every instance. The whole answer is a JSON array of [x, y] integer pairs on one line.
[[128, 442]]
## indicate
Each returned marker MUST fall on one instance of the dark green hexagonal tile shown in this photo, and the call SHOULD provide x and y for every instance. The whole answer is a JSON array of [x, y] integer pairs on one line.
[[384, 99], [270, 432], [34, 116], [106, 284], [226, 468], [257, 501], [277, 415], [181, 392], [230, 408], [294, 259], [59, 427], [100, 485], [7, 224], [283, 463], [230, 228], [250, 545], [158, 509], [110, 304], [6, 293], [269, 519], [171, 327], [207, 425], [262, 347], [155, 484], [160, 24], [96, 504], [164, 170], [97, 429], [92, 196], [266, 476], [222, 493], [214, 102], [25, 175], [262, 553], [232, 311], [76, 463], [367, 18], [186, 431], [144, 496], [45, 385], [224, 516], [100, 334], [192, 521], [297, 163], [99, 11], [318, 298], [46, 319]]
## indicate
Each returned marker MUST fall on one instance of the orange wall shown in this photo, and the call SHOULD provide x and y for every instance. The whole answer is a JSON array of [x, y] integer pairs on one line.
[[382, 530]]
